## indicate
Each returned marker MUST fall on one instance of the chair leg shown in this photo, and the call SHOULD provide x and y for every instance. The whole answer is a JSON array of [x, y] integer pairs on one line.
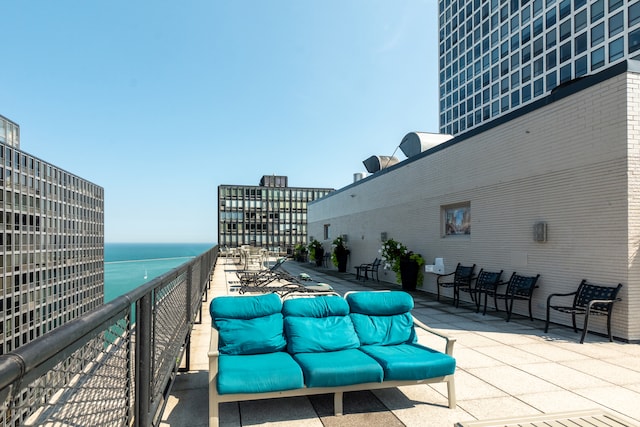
[[573, 319], [609, 326], [530, 312], [438, 289], [546, 323], [509, 309], [586, 326]]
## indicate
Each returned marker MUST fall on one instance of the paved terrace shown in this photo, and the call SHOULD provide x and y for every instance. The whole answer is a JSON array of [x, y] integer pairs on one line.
[[503, 370]]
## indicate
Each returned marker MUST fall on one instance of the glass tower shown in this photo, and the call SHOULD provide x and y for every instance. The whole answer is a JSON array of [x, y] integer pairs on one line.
[[498, 55]]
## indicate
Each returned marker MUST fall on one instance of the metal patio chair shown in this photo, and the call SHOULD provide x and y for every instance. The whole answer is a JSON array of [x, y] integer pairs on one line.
[[589, 299], [518, 288], [461, 277]]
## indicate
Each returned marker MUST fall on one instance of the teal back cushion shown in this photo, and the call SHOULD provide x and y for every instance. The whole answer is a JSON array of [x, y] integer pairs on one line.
[[382, 318], [248, 325], [318, 324]]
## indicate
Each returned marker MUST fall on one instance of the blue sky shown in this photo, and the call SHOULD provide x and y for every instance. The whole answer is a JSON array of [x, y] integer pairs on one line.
[[159, 102]]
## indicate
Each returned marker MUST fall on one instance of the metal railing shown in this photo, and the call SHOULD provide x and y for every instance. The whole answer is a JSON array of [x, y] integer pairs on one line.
[[113, 366]]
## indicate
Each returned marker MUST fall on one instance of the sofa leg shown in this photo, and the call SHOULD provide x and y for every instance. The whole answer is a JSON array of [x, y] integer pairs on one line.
[[337, 403], [451, 391]]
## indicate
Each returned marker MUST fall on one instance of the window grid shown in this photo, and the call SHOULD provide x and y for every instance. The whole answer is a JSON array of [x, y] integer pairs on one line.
[[497, 55]]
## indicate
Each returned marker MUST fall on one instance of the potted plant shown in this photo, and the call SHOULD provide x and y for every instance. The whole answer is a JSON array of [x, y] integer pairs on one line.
[[316, 252], [406, 264], [300, 252], [340, 254]]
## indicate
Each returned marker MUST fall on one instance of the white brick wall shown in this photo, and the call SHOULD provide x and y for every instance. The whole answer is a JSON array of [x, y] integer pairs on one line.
[[569, 164]]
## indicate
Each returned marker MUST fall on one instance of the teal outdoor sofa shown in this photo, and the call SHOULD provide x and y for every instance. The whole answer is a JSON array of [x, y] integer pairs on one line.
[[262, 347]]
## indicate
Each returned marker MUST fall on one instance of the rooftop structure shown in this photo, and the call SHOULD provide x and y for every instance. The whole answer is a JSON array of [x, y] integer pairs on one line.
[[496, 56]]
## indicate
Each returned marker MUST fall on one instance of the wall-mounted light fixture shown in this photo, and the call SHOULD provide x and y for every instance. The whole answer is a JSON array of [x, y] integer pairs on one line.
[[540, 232], [383, 236]]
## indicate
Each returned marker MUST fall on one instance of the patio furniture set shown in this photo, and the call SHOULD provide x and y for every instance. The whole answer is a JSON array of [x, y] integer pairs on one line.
[[588, 299]]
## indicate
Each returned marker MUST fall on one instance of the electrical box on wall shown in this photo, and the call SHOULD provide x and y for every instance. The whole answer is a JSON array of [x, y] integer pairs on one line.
[[540, 232]]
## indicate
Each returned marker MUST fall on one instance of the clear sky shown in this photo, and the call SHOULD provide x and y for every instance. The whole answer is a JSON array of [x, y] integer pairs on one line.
[[159, 102]]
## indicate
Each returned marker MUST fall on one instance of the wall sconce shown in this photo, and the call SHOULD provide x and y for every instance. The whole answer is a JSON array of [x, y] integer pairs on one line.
[[344, 237], [540, 232], [383, 236]]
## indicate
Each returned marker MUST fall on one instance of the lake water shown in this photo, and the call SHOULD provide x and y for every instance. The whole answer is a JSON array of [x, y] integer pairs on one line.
[[129, 265]]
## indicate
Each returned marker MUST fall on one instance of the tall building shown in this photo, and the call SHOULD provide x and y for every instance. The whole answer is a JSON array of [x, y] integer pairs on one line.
[[271, 215], [498, 55], [51, 244]]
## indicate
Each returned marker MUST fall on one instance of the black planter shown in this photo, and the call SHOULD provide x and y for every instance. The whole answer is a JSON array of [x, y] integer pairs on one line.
[[409, 274], [319, 253], [342, 257]]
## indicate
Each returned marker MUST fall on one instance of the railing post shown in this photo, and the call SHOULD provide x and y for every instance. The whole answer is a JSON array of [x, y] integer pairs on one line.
[[144, 319]]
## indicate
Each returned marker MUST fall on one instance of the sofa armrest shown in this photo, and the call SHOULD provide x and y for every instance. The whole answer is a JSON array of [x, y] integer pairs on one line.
[[449, 340]]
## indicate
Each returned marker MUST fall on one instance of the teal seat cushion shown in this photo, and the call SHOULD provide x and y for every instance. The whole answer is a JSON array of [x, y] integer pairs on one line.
[[382, 318], [249, 325], [318, 324], [384, 330], [410, 361], [258, 373], [380, 303], [321, 306], [338, 368]]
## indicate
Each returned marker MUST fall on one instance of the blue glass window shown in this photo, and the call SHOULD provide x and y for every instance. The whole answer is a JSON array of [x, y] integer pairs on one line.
[[537, 7], [526, 53], [616, 49], [597, 10], [597, 34], [526, 93], [552, 81], [504, 85], [634, 14], [551, 38], [565, 73], [504, 67], [565, 52], [580, 21], [565, 29], [526, 73], [538, 87], [565, 8], [525, 34], [495, 90], [614, 4], [515, 99], [551, 18], [634, 40], [537, 27], [616, 24], [538, 67], [597, 58], [581, 43], [581, 66], [538, 46], [515, 61], [515, 79], [495, 108], [504, 102], [525, 15], [577, 4], [551, 59]]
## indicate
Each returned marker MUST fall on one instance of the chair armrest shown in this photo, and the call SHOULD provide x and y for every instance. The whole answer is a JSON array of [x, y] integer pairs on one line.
[[559, 295], [601, 301], [440, 276], [213, 344], [449, 340]]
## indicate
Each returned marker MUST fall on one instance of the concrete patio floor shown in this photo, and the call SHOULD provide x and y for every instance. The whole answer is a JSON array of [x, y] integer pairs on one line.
[[503, 370]]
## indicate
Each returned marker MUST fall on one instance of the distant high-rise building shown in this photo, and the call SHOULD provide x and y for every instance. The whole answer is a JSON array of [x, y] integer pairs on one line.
[[51, 244], [271, 215], [498, 55]]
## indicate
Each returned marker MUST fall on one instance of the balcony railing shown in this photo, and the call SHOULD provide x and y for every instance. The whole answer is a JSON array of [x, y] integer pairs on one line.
[[115, 365]]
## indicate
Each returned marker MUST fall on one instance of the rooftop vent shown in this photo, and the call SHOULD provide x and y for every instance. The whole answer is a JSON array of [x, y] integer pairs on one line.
[[376, 163], [416, 142]]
